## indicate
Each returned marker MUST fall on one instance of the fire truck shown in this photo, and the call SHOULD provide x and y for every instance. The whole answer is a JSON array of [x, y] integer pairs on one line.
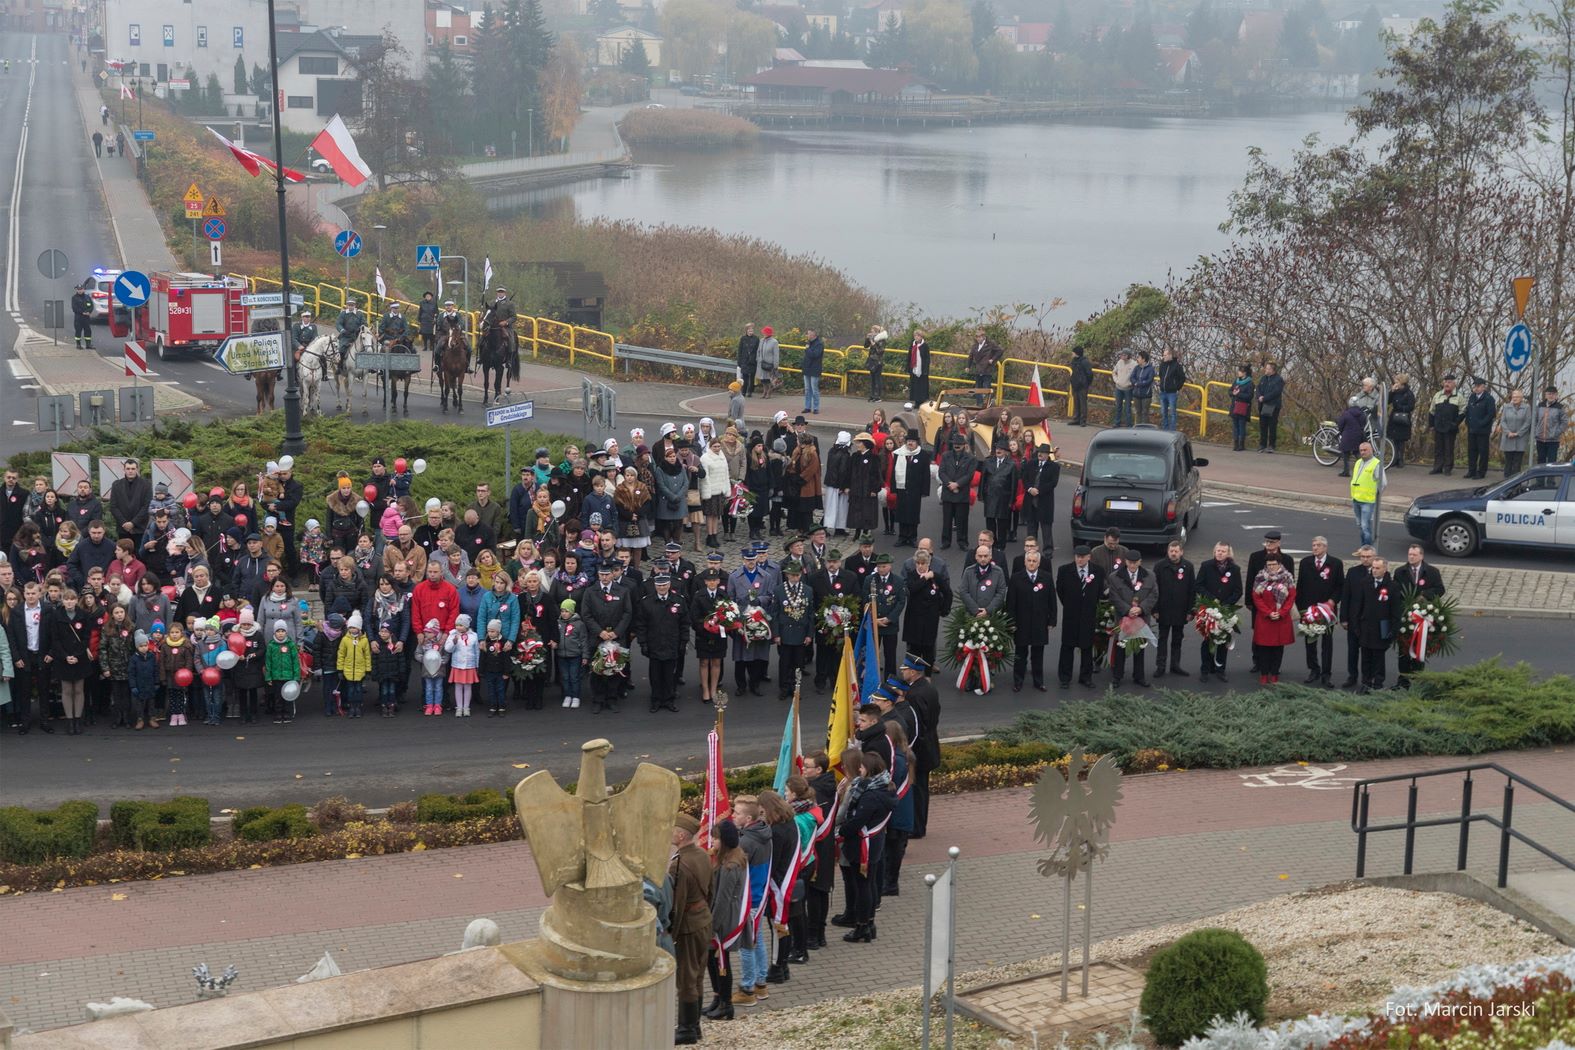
[[186, 313]]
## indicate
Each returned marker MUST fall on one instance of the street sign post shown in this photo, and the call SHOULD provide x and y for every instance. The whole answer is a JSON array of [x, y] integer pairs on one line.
[[143, 135], [272, 299], [506, 416], [245, 354], [96, 407], [136, 404], [429, 256], [1517, 348], [132, 288], [57, 413], [213, 209], [52, 263], [348, 244], [215, 255], [55, 317], [136, 360], [193, 201]]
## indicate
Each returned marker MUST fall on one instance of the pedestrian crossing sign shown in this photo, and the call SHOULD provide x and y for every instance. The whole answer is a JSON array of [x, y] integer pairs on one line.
[[428, 256]]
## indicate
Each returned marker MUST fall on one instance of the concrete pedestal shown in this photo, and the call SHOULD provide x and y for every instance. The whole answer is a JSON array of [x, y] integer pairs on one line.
[[635, 1013]]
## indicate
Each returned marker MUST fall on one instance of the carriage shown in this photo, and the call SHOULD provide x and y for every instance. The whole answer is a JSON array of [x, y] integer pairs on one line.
[[982, 417]]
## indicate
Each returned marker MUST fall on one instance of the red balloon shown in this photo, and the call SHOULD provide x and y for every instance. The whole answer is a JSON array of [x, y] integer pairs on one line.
[[370, 492], [240, 519], [399, 465], [237, 643], [183, 677], [212, 676], [168, 590], [189, 501]]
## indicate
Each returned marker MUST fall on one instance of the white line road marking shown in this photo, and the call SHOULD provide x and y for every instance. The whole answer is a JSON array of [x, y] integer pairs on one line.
[[17, 371], [1218, 503], [21, 422], [1246, 510], [1255, 528]]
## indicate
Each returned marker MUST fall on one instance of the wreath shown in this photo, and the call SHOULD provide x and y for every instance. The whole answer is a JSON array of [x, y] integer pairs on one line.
[[837, 615], [1428, 626], [530, 655], [611, 659], [756, 626], [723, 619], [1317, 620], [978, 644], [1216, 623]]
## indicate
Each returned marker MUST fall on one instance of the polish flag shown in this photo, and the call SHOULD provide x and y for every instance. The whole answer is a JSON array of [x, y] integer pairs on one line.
[[1036, 393], [335, 145], [126, 92], [255, 162]]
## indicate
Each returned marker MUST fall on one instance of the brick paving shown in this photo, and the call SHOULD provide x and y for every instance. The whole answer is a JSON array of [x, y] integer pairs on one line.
[[1209, 840], [1034, 1004]]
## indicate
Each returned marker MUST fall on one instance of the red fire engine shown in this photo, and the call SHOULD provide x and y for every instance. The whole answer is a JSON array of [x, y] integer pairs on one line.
[[186, 313]]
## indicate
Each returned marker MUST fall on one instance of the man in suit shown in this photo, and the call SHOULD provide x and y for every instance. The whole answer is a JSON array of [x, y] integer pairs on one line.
[[998, 491], [607, 611], [983, 585], [13, 509], [937, 566], [1320, 578], [1355, 577], [830, 581], [926, 746], [129, 499], [1177, 582], [1221, 580], [1030, 601], [891, 597], [794, 626], [956, 485], [1373, 616], [1039, 481], [1079, 589], [1132, 592], [1428, 584]]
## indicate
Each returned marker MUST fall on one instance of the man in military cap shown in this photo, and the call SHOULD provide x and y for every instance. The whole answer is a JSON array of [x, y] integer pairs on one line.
[[348, 326], [394, 330], [303, 332], [664, 635], [830, 581], [794, 627], [690, 923]]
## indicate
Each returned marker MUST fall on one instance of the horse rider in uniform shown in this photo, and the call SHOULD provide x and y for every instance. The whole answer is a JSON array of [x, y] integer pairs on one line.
[[303, 333], [82, 316], [394, 330], [449, 320], [500, 312], [351, 321]]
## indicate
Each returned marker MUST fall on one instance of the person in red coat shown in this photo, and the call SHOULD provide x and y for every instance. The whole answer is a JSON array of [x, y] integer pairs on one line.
[[434, 598], [1273, 628]]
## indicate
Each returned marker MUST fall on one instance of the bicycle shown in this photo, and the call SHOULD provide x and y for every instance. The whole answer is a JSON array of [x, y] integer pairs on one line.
[[1325, 442]]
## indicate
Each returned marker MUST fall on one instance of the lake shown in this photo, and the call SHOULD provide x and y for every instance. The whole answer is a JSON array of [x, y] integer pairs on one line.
[[958, 219]]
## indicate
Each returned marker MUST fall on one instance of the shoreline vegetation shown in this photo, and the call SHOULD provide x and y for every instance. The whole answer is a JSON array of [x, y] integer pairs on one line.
[[697, 128]]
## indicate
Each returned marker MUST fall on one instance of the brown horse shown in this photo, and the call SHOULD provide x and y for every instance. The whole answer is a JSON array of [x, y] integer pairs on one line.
[[265, 382], [452, 353]]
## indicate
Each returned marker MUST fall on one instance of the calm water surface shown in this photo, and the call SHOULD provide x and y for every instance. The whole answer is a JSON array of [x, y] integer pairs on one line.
[[958, 219]]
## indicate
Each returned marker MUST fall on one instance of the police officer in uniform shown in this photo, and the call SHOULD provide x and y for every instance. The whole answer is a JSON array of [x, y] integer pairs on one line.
[[82, 318], [690, 874], [663, 617]]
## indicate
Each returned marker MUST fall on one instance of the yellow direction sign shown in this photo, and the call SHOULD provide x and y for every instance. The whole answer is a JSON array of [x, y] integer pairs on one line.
[[1522, 288], [214, 209]]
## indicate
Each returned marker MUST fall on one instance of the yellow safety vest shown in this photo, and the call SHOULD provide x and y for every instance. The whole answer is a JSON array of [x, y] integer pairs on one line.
[[1364, 484]]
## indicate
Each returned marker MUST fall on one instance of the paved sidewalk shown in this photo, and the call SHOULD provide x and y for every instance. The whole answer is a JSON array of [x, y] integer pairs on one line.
[[131, 215], [1208, 838]]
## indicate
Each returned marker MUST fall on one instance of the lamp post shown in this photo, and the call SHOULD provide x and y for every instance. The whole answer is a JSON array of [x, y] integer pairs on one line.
[[378, 229], [464, 275], [294, 442]]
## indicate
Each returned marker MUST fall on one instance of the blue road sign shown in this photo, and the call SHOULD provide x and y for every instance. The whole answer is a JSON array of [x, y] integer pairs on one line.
[[213, 229], [1517, 348], [347, 243], [428, 256], [143, 136], [504, 415], [132, 288]]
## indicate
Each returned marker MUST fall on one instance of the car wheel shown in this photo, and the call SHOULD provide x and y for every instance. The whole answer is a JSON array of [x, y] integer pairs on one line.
[[1455, 538]]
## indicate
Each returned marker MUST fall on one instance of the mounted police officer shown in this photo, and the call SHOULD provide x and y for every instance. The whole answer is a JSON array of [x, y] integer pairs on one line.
[[450, 320], [394, 329], [501, 313], [82, 316]]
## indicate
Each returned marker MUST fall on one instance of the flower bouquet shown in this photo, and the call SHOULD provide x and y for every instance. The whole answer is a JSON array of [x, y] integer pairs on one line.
[[610, 659], [1105, 623], [1428, 625], [1134, 635], [837, 615], [723, 619], [978, 645], [740, 501], [1217, 623], [756, 626], [1316, 620], [530, 657]]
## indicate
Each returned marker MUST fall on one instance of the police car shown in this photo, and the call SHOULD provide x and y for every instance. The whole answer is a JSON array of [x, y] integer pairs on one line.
[[1535, 508], [100, 283]]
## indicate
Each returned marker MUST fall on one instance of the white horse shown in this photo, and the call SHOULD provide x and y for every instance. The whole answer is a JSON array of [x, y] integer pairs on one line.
[[364, 343], [310, 369]]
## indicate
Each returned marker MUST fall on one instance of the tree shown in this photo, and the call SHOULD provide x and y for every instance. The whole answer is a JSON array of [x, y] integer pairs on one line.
[[262, 82], [635, 60], [605, 13], [449, 102], [240, 75], [215, 94], [941, 38], [393, 111], [982, 15], [561, 90], [1298, 46], [1203, 25], [892, 47]]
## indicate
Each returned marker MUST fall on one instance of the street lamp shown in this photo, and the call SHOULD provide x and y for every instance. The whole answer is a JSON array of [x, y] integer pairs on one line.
[[466, 292], [464, 275], [294, 442], [378, 229]]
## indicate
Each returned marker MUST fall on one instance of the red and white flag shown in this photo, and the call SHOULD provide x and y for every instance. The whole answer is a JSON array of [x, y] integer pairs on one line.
[[1036, 393], [255, 162], [335, 145], [715, 805], [126, 92]]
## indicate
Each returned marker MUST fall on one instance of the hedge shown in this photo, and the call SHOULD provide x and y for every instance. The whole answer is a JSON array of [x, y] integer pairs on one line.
[[160, 827], [263, 824], [28, 836], [474, 805]]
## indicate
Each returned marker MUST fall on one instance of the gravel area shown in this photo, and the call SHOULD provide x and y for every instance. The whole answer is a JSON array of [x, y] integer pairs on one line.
[[1340, 949]]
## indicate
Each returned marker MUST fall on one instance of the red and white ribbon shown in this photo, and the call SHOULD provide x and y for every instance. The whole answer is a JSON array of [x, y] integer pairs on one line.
[[976, 658], [722, 944], [865, 834], [1420, 628]]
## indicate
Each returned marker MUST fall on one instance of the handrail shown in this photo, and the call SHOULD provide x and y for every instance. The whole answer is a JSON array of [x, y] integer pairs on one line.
[[1360, 799]]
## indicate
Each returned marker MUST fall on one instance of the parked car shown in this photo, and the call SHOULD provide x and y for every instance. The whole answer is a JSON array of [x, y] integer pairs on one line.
[[1142, 480], [100, 285], [1535, 508]]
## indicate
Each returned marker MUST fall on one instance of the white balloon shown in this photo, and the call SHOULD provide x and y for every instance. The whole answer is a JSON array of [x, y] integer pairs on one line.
[[311, 523], [362, 507], [124, 597], [226, 659], [182, 535], [432, 662], [290, 690], [434, 503], [419, 466], [272, 468], [558, 508]]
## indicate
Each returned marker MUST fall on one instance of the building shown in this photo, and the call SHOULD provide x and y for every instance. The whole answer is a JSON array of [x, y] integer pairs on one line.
[[318, 78], [827, 23], [159, 37], [1179, 64], [1026, 36], [33, 16], [823, 86], [1260, 30], [450, 24], [614, 44]]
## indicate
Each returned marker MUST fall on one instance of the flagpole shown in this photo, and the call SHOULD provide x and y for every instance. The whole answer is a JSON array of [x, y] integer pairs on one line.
[[294, 442], [880, 676], [798, 684]]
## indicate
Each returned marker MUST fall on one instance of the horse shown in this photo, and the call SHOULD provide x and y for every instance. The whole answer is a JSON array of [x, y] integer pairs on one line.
[[363, 343], [309, 366], [499, 361], [451, 353], [391, 387], [265, 382]]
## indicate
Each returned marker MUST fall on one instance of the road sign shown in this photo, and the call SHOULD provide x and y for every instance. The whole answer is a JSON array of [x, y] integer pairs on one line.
[[176, 473], [179, 82], [244, 354], [103, 75], [110, 468], [214, 209], [378, 362], [347, 243], [213, 229], [193, 201], [68, 468], [215, 255], [504, 415], [132, 288], [136, 406], [428, 256], [52, 263], [136, 360], [1522, 289], [1517, 348], [272, 299], [143, 135]]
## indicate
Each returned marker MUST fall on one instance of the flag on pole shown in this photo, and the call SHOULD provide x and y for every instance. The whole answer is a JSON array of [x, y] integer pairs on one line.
[[715, 805], [382, 289], [126, 92], [866, 656], [844, 701], [255, 162], [335, 145], [486, 273], [1036, 393], [786, 754]]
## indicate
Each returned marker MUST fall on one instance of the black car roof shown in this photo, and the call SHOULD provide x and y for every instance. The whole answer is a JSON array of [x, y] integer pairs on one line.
[[1135, 437]]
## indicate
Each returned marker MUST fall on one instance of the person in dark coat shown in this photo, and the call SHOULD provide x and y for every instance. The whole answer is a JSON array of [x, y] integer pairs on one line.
[[868, 802], [891, 597], [1481, 413], [823, 876], [810, 368], [793, 625], [1444, 414], [929, 601], [910, 480], [865, 477], [129, 500], [998, 491], [1220, 579], [1082, 377], [1320, 578], [1177, 582], [956, 482], [926, 703], [1425, 580], [1355, 576], [918, 370], [748, 350], [426, 319], [1079, 589], [689, 871], [1271, 395], [1131, 590], [710, 647], [1353, 431], [1040, 478], [1374, 614], [829, 581], [1030, 602], [69, 660], [664, 634], [13, 508]]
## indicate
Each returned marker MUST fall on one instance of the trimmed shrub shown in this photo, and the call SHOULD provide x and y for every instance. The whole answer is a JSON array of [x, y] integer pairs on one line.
[[28, 836], [474, 805], [1206, 974], [179, 823], [335, 812], [262, 824], [402, 813]]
